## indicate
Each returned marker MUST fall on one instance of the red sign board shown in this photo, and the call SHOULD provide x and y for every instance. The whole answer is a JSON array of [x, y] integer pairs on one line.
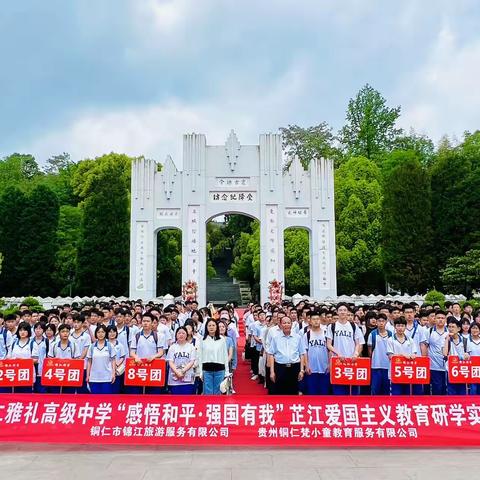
[[146, 374], [464, 371], [16, 373], [59, 372], [404, 370], [349, 371]]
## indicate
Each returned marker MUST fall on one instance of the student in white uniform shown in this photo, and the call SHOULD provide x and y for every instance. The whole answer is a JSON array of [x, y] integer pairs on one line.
[[417, 333], [457, 346], [400, 344], [120, 358], [433, 343], [146, 346], [181, 358], [22, 347], [63, 347], [43, 346], [80, 337], [344, 340], [101, 363], [474, 349], [317, 377], [377, 349]]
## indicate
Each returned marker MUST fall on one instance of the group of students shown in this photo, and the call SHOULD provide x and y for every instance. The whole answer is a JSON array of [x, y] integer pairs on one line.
[[290, 347], [200, 351]]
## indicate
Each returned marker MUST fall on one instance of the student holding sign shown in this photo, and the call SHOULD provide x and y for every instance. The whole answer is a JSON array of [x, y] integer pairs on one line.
[[400, 344], [456, 346], [22, 347], [344, 340]]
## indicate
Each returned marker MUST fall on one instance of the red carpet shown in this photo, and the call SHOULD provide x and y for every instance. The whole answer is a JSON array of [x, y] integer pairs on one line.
[[241, 381]]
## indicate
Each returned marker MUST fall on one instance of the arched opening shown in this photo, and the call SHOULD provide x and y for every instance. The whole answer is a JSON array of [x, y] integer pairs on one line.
[[233, 259], [169, 262], [297, 260]]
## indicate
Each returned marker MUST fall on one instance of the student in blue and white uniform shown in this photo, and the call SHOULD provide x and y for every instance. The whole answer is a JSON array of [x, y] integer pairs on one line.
[[474, 349], [80, 337], [417, 333], [125, 333], [22, 347], [120, 358], [377, 348], [63, 348], [433, 343], [400, 344], [181, 358], [146, 346], [9, 330], [457, 346], [43, 346], [101, 363], [345, 343], [317, 377]]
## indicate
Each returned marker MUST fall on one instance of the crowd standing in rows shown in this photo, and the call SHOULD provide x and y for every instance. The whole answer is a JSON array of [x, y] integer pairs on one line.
[[289, 346]]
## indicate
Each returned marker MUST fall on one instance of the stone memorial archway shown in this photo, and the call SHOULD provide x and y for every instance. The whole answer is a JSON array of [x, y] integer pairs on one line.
[[232, 178]]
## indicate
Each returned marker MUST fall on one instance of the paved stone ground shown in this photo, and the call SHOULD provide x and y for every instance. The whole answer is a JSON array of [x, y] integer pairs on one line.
[[27, 462]]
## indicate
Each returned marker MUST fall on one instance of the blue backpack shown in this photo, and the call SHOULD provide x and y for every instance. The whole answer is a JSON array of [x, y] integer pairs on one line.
[[374, 337]]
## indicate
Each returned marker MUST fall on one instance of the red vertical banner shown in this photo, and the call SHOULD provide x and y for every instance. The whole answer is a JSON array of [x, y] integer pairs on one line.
[[350, 371]]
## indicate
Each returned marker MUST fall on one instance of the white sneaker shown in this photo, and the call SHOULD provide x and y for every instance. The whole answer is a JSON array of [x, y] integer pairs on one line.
[[254, 377]]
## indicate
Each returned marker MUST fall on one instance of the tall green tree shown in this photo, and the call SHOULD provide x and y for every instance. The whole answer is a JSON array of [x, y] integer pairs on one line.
[[358, 207], [17, 170], [13, 228], [455, 198], [103, 186], [407, 233], [462, 274], [297, 261], [370, 128], [68, 238], [310, 142], [39, 246], [169, 262]]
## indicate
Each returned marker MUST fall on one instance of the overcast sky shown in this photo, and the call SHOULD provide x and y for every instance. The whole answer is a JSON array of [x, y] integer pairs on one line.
[[93, 76]]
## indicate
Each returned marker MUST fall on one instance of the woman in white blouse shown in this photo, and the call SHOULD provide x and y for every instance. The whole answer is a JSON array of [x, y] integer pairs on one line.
[[213, 358]]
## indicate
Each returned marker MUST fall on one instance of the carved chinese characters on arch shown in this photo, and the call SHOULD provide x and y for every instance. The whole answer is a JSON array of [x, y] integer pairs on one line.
[[323, 256], [297, 212], [272, 247], [193, 236], [233, 197], [168, 213], [232, 182], [140, 266]]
